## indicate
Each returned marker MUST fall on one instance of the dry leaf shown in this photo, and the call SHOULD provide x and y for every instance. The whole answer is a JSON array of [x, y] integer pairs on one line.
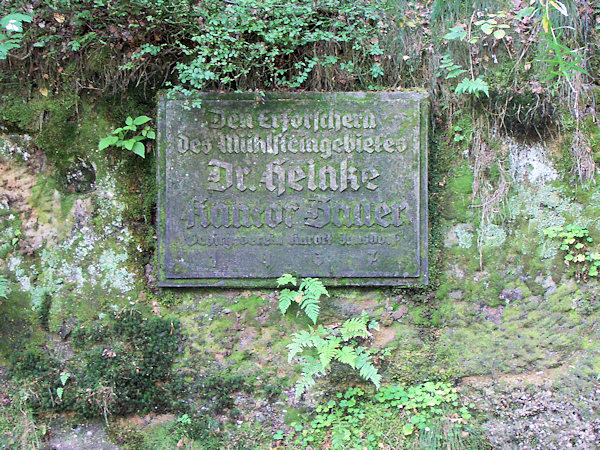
[[59, 17], [44, 91]]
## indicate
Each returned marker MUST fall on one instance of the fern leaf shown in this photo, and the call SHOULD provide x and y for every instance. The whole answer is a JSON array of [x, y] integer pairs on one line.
[[311, 308], [347, 355], [299, 342], [327, 351], [313, 288], [355, 327], [367, 370], [285, 300], [340, 436], [285, 279], [310, 369], [303, 384], [293, 349]]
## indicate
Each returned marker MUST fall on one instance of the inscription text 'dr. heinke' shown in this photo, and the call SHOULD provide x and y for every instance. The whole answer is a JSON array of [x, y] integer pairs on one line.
[[327, 185]]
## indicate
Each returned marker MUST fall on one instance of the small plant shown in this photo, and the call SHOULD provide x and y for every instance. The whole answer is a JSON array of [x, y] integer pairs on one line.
[[449, 68], [307, 295], [4, 288], [423, 402], [11, 32], [130, 136], [317, 348], [393, 418], [576, 241], [474, 86], [15, 239], [64, 377]]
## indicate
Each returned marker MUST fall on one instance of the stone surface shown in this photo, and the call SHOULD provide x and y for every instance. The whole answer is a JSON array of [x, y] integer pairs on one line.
[[326, 185]]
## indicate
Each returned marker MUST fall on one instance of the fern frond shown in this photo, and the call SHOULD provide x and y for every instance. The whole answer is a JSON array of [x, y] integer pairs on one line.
[[285, 300], [285, 279], [347, 355], [340, 436], [311, 307], [355, 327], [328, 350], [367, 370], [299, 342], [313, 287], [303, 384], [310, 369]]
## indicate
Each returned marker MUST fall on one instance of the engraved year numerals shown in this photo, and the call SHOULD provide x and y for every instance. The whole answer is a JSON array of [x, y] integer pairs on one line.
[[318, 258], [266, 259], [372, 254], [212, 259]]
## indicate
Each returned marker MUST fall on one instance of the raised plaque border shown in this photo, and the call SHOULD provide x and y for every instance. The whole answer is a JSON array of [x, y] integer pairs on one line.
[[421, 98]]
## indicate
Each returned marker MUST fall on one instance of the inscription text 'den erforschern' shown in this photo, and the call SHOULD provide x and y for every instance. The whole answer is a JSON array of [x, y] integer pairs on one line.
[[331, 185]]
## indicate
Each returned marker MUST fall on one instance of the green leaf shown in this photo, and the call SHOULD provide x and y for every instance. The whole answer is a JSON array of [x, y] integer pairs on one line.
[[328, 351], [300, 341], [286, 278], [285, 299], [59, 392], [106, 142], [499, 34], [355, 327], [311, 308], [14, 22], [141, 120], [4, 287], [151, 134], [487, 28], [129, 121], [408, 429], [139, 149], [129, 143], [456, 33], [64, 376], [347, 355]]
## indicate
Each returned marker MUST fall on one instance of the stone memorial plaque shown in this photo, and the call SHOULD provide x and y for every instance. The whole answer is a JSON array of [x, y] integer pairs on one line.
[[328, 185]]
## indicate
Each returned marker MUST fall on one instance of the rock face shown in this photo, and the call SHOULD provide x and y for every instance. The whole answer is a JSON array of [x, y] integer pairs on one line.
[[505, 316]]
